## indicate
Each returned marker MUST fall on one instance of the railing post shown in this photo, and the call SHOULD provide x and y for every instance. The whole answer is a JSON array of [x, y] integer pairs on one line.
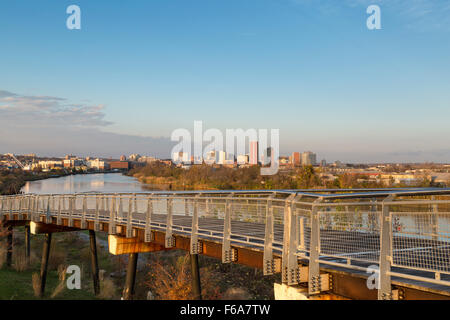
[[58, 217], [169, 222], [36, 212], [19, 213], [286, 238], [72, 203], [268, 262], [83, 213], [227, 255], [148, 220], [97, 213], [48, 216], [195, 246], [314, 279], [112, 219], [435, 221], [385, 289], [129, 232]]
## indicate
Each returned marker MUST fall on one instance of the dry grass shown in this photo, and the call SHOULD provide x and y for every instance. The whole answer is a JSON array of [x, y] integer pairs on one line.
[[2, 254], [171, 280], [3, 233], [108, 289], [36, 282], [58, 257], [20, 261], [62, 281]]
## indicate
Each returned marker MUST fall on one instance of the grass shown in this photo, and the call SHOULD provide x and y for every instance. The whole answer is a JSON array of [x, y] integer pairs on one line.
[[18, 286]]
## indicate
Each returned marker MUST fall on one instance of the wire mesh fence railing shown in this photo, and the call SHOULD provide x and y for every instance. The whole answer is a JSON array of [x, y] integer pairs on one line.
[[410, 233]]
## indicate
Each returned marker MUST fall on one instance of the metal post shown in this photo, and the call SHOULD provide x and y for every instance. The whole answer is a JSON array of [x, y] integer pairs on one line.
[[195, 246], [226, 243], [196, 286], [169, 223], [314, 280], [9, 246], [268, 266], [385, 290], [94, 262], [27, 243], [148, 220], [128, 292], [44, 262], [286, 238]]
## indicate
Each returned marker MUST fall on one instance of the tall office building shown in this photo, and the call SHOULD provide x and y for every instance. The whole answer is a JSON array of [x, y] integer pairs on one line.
[[308, 158], [295, 158], [254, 152], [269, 156], [222, 157]]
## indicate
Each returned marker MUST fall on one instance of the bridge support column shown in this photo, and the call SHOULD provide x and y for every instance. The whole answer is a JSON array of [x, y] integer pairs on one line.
[[128, 292], [196, 286], [94, 262], [44, 263], [27, 244], [9, 246]]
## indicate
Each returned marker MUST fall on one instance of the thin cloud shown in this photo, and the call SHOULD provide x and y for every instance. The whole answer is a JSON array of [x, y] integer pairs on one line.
[[49, 111], [52, 126]]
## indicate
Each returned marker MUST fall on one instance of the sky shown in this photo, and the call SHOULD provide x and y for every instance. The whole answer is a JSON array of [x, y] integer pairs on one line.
[[138, 70]]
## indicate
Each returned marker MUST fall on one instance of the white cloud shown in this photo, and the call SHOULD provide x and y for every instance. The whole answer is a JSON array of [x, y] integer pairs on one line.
[[49, 125]]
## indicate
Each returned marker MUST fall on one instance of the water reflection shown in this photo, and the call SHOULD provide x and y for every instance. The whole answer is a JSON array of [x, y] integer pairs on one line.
[[108, 183]]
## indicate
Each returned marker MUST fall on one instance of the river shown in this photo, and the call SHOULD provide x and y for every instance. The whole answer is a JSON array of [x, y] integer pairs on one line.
[[101, 182]]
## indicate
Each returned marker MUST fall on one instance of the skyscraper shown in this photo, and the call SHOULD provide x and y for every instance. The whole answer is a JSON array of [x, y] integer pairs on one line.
[[295, 158], [254, 152]]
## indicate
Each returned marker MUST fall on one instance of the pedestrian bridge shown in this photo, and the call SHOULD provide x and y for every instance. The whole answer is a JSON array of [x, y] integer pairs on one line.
[[324, 241]]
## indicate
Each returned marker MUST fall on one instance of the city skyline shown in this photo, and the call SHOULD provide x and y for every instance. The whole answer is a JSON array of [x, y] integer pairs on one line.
[[132, 75]]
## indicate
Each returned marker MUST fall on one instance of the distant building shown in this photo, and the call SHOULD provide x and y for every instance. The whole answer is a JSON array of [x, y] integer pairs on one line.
[[254, 152], [323, 163], [295, 158], [120, 165], [98, 164], [222, 157], [123, 158], [134, 157], [210, 157], [308, 158], [269, 156], [181, 157], [72, 163], [50, 164], [242, 159]]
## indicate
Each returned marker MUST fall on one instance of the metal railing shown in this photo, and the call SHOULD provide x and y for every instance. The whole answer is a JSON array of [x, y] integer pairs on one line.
[[403, 232]]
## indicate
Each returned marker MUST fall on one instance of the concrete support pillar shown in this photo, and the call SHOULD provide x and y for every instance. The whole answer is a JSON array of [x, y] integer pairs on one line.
[[44, 263], [9, 247], [196, 286], [128, 291], [94, 262]]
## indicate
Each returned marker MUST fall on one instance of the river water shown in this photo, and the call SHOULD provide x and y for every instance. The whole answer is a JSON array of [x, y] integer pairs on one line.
[[101, 182]]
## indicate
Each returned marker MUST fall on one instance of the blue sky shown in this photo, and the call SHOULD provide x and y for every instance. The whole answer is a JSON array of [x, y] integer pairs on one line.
[[136, 71]]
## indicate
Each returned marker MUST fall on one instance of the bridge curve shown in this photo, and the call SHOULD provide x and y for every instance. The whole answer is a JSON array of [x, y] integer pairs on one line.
[[311, 237]]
